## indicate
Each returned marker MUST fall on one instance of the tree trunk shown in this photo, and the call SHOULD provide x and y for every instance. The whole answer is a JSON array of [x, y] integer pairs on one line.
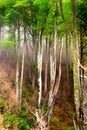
[[17, 78], [84, 112], [67, 58], [33, 81], [34, 58], [75, 79], [75, 66], [46, 64], [17, 65], [52, 75], [39, 62], [53, 93], [0, 33], [22, 68]]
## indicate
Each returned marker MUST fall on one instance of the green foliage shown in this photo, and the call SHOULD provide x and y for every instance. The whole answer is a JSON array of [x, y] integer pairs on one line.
[[23, 121], [67, 7], [11, 15], [21, 3], [69, 128], [9, 43], [81, 12], [3, 105], [11, 119]]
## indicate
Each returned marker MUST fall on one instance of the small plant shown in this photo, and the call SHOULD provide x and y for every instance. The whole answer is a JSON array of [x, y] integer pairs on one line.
[[3, 105], [23, 122], [10, 120]]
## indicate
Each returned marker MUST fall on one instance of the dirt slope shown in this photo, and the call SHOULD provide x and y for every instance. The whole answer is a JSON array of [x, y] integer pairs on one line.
[[7, 79]]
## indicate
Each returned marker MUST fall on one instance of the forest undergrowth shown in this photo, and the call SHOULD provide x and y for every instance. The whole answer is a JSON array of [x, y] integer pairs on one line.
[[63, 111]]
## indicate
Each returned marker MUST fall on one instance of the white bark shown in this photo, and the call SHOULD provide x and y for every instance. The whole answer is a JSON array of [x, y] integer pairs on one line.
[[17, 78], [46, 64], [17, 66], [85, 102], [39, 62], [34, 73], [22, 66], [52, 76], [22, 73], [67, 57], [45, 87], [59, 74], [41, 122], [0, 33]]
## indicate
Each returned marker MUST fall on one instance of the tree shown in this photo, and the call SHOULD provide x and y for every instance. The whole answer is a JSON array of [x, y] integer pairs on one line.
[[82, 25]]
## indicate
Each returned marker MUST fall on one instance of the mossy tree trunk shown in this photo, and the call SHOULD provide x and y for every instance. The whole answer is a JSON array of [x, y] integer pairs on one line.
[[76, 71]]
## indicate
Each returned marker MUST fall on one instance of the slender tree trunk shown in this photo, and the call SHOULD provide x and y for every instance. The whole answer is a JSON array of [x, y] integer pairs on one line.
[[34, 58], [46, 64], [22, 72], [17, 78], [67, 58], [33, 81], [70, 50], [39, 62], [81, 56], [17, 65], [22, 68], [0, 32], [84, 112]]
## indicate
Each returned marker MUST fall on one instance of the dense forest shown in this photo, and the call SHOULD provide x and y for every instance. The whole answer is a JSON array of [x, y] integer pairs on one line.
[[43, 65]]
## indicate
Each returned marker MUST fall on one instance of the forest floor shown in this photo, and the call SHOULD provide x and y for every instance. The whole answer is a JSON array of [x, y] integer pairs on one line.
[[63, 111], [7, 93], [7, 78]]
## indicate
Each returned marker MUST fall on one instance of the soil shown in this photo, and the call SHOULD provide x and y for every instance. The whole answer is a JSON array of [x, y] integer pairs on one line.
[[7, 74]]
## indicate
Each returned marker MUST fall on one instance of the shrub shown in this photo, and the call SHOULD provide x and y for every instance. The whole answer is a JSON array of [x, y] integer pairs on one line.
[[3, 106], [22, 121], [10, 121]]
